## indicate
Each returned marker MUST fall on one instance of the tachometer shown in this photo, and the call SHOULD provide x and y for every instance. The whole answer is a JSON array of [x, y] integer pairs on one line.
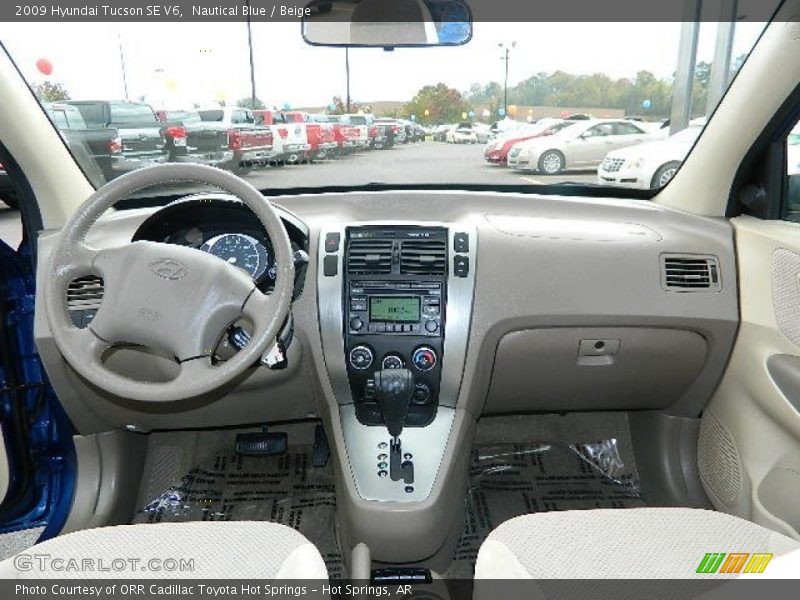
[[241, 251]]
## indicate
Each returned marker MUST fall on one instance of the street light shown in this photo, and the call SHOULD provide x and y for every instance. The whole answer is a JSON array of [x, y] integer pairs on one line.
[[507, 48]]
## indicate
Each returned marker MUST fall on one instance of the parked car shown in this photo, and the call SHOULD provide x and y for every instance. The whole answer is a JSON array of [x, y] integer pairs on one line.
[[141, 135], [384, 137], [650, 165], [496, 151], [463, 133], [363, 122], [101, 148], [346, 136], [583, 145], [319, 134], [398, 129], [793, 151], [191, 139], [251, 144], [440, 132], [482, 132], [289, 140]]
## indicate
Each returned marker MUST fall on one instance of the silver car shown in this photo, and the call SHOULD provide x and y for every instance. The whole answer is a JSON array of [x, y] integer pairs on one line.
[[582, 145]]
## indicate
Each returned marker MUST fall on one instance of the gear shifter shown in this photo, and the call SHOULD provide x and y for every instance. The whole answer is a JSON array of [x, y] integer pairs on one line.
[[393, 391]]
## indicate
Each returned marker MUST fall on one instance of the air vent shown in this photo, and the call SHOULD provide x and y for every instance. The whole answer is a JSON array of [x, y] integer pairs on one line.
[[369, 257], [690, 273], [423, 257], [84, 296]]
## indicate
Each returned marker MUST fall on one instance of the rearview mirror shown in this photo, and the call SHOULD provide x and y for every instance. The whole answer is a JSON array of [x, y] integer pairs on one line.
[[387, 23]]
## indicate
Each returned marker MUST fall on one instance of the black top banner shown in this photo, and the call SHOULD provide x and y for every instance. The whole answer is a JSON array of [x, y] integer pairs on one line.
[[598, 11]]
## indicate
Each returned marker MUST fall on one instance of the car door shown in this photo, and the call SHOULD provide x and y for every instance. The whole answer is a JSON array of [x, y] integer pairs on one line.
[[37, 462], [627, 134], [590, 147], [749, 443]]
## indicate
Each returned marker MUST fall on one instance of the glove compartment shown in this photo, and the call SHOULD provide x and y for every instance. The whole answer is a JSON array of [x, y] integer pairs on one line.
[[593, 368]]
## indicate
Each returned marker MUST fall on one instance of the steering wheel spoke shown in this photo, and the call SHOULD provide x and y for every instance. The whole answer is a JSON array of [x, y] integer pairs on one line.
[[88, 345]]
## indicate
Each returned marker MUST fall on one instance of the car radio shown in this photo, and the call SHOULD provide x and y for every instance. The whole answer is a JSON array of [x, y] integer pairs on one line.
[[391, 307]]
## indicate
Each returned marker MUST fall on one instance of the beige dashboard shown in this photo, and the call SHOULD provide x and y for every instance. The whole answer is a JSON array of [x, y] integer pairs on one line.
[[571, 310]]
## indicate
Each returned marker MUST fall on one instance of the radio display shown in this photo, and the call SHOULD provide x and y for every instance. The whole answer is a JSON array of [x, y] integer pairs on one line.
[[394, 308]]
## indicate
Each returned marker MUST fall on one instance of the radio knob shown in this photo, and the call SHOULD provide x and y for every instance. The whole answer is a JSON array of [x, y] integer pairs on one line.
[[361, 357], [431, 326], [424, 358], [356, 324]]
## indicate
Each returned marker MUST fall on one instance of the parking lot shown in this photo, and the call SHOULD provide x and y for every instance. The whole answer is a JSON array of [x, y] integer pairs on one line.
[[420, 163]]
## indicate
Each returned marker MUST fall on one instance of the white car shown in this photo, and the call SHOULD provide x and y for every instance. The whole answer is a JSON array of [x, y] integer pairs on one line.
[[464, 133], [793, 151], [581, 145], [648, 166]]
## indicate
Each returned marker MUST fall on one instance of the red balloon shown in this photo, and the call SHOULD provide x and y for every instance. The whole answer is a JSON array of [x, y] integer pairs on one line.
[[45, 66]]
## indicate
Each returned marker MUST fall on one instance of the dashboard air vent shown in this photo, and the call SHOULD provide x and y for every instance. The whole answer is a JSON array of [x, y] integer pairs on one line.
[[369, 257], [689, 273], [423, 257]]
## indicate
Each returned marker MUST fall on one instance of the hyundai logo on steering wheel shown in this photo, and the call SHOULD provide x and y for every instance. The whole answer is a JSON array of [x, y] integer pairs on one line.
[[167, 268]]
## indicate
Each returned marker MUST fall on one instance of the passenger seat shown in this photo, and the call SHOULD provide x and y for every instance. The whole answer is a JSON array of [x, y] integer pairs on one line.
[[635, 543]]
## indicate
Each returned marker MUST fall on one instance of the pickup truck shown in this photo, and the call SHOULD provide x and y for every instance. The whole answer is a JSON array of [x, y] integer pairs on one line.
[[140, 134], [364, 124], [290, 142], [250, 144], [191, 139], [98, 150], [346, 136], [320, 135]]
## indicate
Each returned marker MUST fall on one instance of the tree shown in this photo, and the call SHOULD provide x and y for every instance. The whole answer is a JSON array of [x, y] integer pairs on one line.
[[248, 103], [50, 92], [444, 104]]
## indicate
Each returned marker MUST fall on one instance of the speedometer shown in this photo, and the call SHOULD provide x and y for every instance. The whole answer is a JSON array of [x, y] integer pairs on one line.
[[241, 251]]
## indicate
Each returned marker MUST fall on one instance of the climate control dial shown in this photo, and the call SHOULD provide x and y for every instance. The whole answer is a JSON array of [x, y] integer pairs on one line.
[[392, 361], [424, 358], [361, 357]]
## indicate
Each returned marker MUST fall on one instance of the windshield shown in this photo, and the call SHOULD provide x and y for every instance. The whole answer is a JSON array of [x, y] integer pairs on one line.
[[340, 117]]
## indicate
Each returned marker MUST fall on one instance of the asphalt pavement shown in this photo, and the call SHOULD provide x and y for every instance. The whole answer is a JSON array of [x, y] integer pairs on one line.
[[417, 163], [414, 163]]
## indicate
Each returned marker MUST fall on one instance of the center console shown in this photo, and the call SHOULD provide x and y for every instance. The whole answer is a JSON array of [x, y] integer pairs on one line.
[[395, 303], [395, 314]]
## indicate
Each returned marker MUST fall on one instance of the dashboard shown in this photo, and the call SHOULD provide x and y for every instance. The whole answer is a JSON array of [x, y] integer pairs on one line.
[[564, 304], [221, 225]]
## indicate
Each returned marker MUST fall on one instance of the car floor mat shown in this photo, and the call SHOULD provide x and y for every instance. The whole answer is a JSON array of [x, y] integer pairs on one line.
[[198, 476], [510, 476]]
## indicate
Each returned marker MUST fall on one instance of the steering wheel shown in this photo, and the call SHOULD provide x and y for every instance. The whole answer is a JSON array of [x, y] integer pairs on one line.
[[165, 297]]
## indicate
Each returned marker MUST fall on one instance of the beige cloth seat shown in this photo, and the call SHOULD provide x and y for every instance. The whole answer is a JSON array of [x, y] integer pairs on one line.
[[634, 543], [217, 550]]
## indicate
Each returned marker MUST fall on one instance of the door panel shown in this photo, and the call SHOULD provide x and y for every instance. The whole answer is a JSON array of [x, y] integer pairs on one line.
[[749, 446]]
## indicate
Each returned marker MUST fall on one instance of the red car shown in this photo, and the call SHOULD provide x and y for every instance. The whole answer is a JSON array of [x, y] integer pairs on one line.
[[497, 150]]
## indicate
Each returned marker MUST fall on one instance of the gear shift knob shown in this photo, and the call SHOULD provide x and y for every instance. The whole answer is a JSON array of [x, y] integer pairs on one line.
[[393, 391]]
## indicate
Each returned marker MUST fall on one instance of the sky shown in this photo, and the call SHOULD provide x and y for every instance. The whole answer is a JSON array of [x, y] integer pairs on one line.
[[175, 65]]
